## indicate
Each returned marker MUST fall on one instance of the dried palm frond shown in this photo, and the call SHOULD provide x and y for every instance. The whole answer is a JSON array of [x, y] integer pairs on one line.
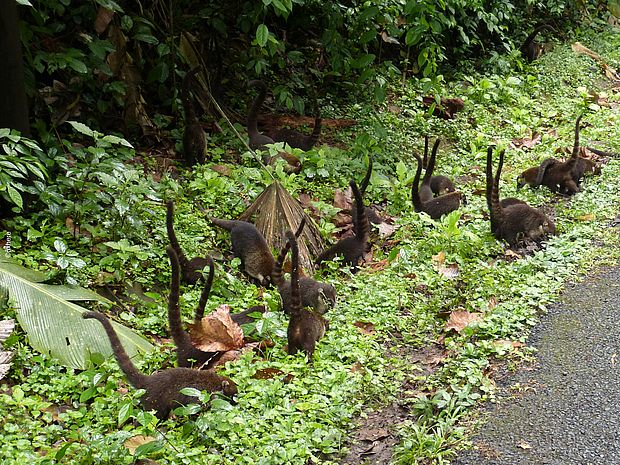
[[274, 211]]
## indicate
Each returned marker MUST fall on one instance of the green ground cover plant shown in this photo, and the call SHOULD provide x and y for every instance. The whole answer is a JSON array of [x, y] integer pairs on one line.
[[103, 226]]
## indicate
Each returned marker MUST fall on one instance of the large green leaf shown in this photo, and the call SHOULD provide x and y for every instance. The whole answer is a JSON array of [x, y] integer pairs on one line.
[[54, 325]]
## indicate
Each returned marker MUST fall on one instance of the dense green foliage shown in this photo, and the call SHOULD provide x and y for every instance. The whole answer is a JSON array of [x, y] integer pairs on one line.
[[95, 216]]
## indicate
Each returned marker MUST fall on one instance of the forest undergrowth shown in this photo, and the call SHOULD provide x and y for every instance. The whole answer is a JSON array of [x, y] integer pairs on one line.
[[423, 324]]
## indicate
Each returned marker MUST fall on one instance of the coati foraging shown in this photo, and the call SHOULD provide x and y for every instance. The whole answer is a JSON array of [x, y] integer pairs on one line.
[[305, 327], [439, 185], [530, 49], [517, 221], [534, 176], [194, 137], [299, 140], [250, 246], [372, 215], [191, 269], [187, 354], [352, 248], [162, 388], [257, 140], [436, 207], [320, 296]]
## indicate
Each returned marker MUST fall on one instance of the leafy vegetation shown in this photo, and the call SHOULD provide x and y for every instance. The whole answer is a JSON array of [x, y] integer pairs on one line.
[[95, 217]]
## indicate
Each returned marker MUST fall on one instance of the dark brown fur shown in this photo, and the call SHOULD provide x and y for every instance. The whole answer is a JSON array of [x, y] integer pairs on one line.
[[162, 388], [439, 185], [518, 221], [372, 215], [250, 246], [305, 327], [257, 140], [352, 248], [320, 296], [530, 49], [437, 206], [534, 176], [191, 269], [194, 137]]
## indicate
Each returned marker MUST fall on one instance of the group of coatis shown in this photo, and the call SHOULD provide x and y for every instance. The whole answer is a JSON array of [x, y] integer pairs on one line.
[[304, 299]]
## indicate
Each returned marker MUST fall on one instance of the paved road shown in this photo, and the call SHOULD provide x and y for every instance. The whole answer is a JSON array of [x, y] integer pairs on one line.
[[567, 410]]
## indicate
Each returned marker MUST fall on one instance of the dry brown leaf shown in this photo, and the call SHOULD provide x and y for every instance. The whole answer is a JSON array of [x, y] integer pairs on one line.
[[217, 332], [587, 217], [222, 169], [343, 199], [459, 320], [386, 229], [527, 142], [134, 442], [365, 327], [440, 258], [357, 367], [492, 302], [5, 363], [378, 266], [511, 254], [104, 16], [524, 445], [507, 344], [267, 373], [450, 271], [6, 328]]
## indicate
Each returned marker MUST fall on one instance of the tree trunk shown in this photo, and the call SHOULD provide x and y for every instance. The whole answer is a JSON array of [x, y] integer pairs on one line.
[[13, 103]]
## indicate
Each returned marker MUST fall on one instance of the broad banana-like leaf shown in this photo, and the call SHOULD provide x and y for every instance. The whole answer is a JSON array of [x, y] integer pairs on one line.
[[54, 325]]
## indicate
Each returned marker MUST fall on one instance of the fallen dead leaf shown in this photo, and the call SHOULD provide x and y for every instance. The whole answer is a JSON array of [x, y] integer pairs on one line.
[[511, 254], [217, 332], [439, 258], [134, 442], [507, 344], [357, 367], [104, 16], [6, 328], [380, 265], [614, 359], [450, 271], [492, 302], [386, 229], [524, 445], [365, 327], [459, 320], [267, 373], [527, 142], [343, 199], [587, 217], [374, 434], [222, 169]]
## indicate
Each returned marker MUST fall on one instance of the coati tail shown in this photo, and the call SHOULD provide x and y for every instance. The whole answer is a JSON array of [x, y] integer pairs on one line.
[[496, 207], [256, 104], [204, 295], [431, 164], [366, 180], [425, 157], [542, 169], [188, 105], [575, 153], [361, 226], [530, 38], [489, 173], [172, 237], [134, 376], [277, 277], [295, 294], [174, 312], [415, 193]]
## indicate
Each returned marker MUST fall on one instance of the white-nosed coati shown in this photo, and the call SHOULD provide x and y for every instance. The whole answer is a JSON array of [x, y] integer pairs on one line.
[[191, 269], [372, 215], [530, 49], [351, 248], [439, 185], [320, 296], [517, 221], [194, 137], [187, 354], [257, 140], [299, 140], [250, 246], [163, 387], [305, 327], [435, 207]]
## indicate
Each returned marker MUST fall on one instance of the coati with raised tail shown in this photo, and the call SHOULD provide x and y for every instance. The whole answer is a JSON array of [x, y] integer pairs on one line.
[[436, 207], [257, 140], [320, 296], [530, 49], [517, 221], [372, 215], [305, 327], [191, 269], [250, 246], [299, 140], [439, 185], [163, 387], [351, 248], [194, 137], [534, 176], [187, 354]]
